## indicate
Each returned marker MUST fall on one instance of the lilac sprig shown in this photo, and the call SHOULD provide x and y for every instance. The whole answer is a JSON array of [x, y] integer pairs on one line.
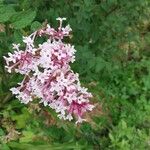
[[47, 73]]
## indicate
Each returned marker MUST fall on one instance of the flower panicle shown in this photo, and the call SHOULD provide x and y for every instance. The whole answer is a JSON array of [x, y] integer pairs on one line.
[[48, 75]]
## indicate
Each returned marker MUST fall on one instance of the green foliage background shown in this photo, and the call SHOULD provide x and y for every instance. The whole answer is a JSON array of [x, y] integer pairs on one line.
[[112, 38]]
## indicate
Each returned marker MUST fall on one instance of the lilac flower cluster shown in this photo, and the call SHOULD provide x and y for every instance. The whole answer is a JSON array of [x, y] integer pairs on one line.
[[47, 73]]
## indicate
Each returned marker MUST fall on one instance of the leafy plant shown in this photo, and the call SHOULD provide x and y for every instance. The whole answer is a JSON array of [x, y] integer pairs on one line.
[[112, 42]]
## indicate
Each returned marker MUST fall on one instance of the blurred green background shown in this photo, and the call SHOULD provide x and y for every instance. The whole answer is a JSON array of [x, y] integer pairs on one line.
[[112, 38]]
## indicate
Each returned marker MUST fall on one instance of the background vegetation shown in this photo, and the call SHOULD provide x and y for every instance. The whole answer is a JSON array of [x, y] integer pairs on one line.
[[112, 38]]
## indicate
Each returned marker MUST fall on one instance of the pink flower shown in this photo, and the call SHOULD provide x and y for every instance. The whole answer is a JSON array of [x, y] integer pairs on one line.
[[48, 75]]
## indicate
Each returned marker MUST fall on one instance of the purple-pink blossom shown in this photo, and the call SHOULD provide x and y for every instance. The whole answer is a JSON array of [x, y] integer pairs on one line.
[[48, 75]]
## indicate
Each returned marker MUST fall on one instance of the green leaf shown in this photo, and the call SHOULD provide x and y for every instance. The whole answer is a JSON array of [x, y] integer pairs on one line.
[[111, 137], [66, 146], [4, 147], [18, 36], [56, 132], [1, 132], [100, 64], [21, 119], [23, 19], [146, 81], [6, 12], [27, 137], [123, 124], [35, 25]]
